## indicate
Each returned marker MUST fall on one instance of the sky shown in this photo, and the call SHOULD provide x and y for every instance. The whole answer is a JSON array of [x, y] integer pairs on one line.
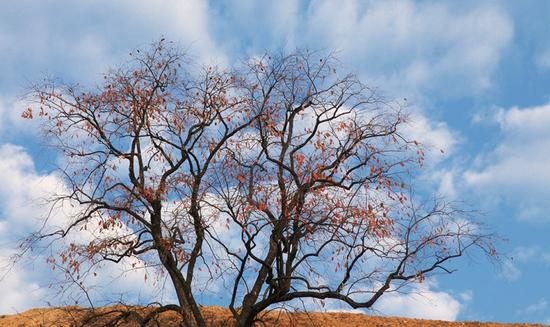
[[475, 75]]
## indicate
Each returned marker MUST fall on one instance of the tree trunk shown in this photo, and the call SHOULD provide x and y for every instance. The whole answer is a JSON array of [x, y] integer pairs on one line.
[[246, 319], [248, 311], [191, 314]]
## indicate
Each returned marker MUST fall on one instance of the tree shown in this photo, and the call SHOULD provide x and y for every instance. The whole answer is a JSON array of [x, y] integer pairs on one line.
[[280, 177]]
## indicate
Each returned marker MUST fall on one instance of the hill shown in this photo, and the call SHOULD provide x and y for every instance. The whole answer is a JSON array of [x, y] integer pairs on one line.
[[216, 316]]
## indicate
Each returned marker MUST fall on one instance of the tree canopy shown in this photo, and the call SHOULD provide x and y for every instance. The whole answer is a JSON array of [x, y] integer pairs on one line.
[[279, 176]]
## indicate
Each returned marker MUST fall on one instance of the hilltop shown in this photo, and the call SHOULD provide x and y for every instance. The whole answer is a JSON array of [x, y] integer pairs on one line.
[[218, 316]]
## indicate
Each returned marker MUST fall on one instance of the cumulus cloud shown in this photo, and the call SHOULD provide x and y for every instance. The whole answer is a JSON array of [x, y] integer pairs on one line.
[[22, 197], [35, 39], [446, 183], [437, 138], [519, 161], [387, 40], [399, 45], [18, 293], [421, 46], [187, 22], [20, 188], [423, 301]]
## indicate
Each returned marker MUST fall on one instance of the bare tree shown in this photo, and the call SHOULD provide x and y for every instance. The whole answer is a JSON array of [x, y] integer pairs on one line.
[[279, 176]]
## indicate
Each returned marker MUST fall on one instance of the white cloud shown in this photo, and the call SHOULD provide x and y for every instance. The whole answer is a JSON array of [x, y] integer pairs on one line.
[[447, 184], [533, 254], [519, 161], [423, 302], [187, 22], [542, 60], [22, 198], [438, 142], [20, 188], [525, 121], [36, 40], [467, 295], [18, 293], [420, 46], [510, 271], [436, 137], [540, 306], [523, 255], [14, 128]]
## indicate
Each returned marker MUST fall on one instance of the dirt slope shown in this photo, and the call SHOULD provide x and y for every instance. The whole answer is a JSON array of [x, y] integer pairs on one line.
[[216, 316]]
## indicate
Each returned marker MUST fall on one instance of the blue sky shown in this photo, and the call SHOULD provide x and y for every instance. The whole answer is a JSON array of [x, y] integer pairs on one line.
[[475, 74]]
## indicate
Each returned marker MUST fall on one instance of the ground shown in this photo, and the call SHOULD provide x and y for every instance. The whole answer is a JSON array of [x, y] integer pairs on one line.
[[217, 316]]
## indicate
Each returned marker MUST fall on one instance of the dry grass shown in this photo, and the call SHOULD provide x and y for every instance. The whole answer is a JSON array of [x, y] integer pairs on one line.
[[216, 316]]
